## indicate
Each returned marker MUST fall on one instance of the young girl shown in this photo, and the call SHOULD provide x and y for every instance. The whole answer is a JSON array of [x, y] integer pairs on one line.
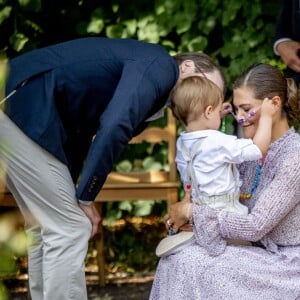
[[206, 157]]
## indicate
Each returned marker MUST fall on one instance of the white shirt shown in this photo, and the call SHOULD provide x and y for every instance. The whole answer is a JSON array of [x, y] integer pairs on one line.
[[213, 162]]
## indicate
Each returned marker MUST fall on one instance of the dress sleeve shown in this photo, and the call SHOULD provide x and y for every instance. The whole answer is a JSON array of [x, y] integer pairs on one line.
[[276, 201], [207, 229], [279, 197]]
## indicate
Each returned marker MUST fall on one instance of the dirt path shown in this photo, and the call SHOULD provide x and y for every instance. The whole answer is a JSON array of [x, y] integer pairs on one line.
[[126, 288]]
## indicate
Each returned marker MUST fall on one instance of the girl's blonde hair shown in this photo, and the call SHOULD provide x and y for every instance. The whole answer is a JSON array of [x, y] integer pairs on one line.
[[192, 95]]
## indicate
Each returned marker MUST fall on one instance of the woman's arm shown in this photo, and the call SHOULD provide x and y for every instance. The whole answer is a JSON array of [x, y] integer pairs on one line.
[[275, 202]]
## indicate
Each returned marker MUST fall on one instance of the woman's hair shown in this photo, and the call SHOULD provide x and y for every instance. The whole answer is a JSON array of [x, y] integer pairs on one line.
[[267, 81], [192, 95], [203, 63]]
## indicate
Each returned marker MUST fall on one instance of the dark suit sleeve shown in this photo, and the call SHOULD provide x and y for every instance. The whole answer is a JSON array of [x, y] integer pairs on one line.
[[140, 128], [284, 22], [142, 89]]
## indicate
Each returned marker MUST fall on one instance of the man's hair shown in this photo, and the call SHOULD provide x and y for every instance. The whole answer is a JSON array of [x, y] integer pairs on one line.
[[192, 95], [203, 63]]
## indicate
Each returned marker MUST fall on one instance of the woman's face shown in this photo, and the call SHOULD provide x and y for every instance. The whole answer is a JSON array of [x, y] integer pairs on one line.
[[244, 103]]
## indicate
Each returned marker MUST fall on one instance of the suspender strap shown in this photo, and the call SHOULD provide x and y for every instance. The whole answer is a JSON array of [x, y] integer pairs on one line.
[[189, 157]]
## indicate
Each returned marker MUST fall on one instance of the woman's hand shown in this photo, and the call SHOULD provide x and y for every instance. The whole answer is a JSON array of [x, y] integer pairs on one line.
[[180, 213]]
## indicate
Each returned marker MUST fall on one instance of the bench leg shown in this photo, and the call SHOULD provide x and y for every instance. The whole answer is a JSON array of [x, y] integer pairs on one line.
[[100, 249]]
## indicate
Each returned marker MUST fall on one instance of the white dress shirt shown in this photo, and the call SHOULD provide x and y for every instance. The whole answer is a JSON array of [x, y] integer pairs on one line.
[[213, 163]]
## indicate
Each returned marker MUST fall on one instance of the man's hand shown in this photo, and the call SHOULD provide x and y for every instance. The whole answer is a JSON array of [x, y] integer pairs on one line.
[[289, 53], [92, 213]]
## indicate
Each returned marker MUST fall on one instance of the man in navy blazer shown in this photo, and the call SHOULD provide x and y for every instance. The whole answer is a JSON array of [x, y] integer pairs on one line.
[[287, 38], [71, 108]]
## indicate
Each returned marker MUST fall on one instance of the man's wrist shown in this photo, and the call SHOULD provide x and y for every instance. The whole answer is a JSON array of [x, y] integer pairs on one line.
[[277, 43]]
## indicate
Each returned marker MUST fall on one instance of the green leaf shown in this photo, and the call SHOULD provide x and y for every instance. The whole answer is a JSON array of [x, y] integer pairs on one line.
[[114, 31], [18, 41], [168, 44], [5, 13], [130, 27], [150, 164], [197, 44], [124, 166], [95, 26], [125, 205], [3, 292], [18, 243], [115, 8], [31, 5], [231, 14], [143, 207], [7, 263], [148, 30], [112, 215], [183, 25], [3, 74]]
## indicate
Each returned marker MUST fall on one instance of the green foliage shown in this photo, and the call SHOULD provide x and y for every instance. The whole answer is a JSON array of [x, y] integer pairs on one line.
[[13, 244], [130, 244], [235, 33], [13, 240]]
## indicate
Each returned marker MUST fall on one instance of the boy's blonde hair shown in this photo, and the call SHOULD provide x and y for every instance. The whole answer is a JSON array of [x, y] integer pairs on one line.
[[192, 95]]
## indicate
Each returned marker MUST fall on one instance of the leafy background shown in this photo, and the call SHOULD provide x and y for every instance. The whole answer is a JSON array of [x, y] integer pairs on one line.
[[235, 33]]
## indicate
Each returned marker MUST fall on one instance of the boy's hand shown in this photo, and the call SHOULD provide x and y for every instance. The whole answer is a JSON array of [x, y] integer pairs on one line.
[[268, 107], [226, 109]]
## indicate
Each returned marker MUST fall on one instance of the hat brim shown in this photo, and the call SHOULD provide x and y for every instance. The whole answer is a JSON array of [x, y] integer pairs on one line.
[[173, 243]]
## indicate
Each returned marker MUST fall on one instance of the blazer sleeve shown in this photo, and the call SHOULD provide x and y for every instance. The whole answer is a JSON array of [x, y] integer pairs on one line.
[[142, 90], [284, 23]]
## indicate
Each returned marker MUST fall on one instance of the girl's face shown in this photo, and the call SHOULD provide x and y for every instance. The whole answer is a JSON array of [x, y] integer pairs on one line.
[[244, 105]]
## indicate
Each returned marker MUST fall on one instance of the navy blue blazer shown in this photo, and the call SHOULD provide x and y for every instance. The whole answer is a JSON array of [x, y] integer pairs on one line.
[[288, 26], [85, 99]]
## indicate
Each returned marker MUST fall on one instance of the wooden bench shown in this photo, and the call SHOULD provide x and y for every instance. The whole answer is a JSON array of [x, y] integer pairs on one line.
[[120, 186]]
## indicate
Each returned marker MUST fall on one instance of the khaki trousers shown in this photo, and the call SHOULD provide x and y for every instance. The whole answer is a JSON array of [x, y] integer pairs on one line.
[[45, 194]]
